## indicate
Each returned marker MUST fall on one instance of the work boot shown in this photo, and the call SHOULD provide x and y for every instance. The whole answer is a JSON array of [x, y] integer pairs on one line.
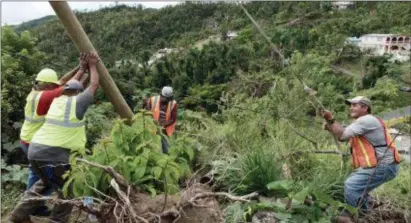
[[342, 219], [13, 219]]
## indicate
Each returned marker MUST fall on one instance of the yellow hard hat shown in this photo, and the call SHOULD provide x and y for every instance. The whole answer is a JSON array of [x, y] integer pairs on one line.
[[47, 75]]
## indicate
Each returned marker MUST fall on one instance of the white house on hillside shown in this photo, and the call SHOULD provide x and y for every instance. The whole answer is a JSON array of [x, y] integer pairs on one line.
[[231, 35], [160, 53], [342, 5], [379, 44]]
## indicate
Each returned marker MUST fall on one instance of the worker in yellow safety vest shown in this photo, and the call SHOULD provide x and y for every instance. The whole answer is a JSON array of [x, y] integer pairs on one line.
[[46, 88], [164, 111], [374, 155], [63, 131]]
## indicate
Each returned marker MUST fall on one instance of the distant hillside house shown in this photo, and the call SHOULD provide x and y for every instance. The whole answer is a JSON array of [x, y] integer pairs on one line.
[[353, 40], [342, 5], [161, 53], [380, 44], [231, 35], [118, 63]]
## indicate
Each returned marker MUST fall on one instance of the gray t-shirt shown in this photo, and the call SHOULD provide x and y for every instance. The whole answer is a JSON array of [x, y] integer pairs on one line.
[[84, 100], [369, 127], [53, 154]]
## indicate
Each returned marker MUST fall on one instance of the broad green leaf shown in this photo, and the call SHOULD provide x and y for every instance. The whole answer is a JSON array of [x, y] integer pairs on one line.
[[66, 185], [301, 195], [325, 198], [190, 153], [152, 191], [282, 216], [143, 179], [156, 172], [139, 172], [282, 185]]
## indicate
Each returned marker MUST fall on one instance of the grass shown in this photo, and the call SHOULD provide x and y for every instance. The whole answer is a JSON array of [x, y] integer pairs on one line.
[[10, 195], [398, 190], [199, 44], [249, 173], [403, 99]]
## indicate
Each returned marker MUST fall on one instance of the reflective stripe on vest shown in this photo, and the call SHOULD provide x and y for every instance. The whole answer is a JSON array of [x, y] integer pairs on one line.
[[31, 117], [62, 128], [65, 122], [363, 152], [32, 121], [389, 142], [155, 109]]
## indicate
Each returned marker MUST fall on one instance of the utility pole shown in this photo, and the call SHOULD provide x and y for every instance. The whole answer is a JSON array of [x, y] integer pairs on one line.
[[83, 44]]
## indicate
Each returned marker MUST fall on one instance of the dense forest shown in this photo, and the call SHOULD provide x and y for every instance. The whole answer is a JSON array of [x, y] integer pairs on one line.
[[242, 109]]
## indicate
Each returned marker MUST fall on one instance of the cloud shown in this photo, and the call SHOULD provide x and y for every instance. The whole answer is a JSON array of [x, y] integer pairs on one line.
[[13, 13]]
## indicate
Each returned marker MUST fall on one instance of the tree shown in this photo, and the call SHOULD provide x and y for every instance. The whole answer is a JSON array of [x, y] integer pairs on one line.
[[20, 61]]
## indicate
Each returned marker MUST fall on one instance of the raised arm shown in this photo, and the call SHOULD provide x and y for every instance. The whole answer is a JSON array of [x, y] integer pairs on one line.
[[85, 80], [94, 77], [333, 126], [84, 57], [68, 76]]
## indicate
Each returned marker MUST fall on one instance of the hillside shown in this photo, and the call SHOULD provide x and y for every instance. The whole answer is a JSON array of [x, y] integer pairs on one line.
[[127, 33], [34, 23], [245, 121]]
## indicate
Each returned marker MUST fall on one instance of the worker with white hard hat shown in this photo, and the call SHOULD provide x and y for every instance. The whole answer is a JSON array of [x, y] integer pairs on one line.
[[164, 111]]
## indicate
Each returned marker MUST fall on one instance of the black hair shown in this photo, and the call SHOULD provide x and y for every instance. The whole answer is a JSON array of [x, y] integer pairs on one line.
[[368, 107]]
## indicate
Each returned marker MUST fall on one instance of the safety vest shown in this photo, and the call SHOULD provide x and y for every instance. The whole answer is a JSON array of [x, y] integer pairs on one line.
[[363, 152], [32, 121], [62, 128], [155, 109]]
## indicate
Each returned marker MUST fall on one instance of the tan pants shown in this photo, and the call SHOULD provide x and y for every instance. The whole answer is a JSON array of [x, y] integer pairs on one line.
[[25, 208]]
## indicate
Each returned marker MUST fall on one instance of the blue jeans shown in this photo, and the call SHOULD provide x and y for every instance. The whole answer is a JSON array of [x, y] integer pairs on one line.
[[33, 178], [357, 183], [51, 179], [164, 144]]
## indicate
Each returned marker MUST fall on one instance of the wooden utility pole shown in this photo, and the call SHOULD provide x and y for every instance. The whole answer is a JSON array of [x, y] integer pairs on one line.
[[83, 44]]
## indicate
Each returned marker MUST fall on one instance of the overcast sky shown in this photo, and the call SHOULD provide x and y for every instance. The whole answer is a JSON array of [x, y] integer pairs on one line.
[[13, 13]]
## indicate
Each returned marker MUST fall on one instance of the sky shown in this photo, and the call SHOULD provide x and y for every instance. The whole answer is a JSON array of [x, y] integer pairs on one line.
[[13, 13]]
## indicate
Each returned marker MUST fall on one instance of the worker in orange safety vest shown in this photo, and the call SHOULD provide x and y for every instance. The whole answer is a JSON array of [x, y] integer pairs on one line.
[[374, 155], [164, 111]]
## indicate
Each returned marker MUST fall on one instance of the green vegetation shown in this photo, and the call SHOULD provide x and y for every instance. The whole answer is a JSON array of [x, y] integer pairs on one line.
[[135, 152], [242, 115]]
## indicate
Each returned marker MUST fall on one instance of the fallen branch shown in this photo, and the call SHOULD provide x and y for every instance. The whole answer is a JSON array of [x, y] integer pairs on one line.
[[118, 177], [244, 198], [322, 152], [126, 201]]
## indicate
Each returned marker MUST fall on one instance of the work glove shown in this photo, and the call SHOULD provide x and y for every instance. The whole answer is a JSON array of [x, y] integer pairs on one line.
[[327, 115], [326, 126], [84, 61]]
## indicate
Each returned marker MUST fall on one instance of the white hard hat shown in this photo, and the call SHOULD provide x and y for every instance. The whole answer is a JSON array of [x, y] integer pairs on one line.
[[73, 85], [167, 91]]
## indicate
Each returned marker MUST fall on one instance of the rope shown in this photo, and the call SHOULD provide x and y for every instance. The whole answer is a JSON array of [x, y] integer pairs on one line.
[[360, 202], [264, 34], [317, 100], [295, 75], [285, 117]]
